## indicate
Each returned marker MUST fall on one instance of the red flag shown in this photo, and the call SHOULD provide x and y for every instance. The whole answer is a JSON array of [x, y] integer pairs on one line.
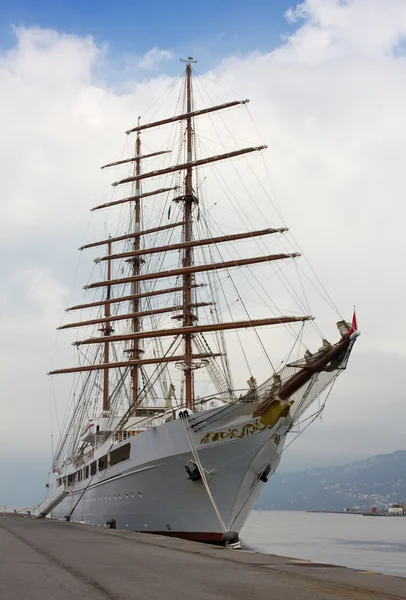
[[354, 326]]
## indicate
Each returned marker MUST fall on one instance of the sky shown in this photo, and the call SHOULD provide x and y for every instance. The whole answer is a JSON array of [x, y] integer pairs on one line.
[[326, 80], [208, 29]]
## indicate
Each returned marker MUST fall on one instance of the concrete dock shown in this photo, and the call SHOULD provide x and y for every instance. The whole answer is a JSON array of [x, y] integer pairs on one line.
[[45, 559]]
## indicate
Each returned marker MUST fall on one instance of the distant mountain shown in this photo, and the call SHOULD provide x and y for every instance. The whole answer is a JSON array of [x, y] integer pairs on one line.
[[376, 481]]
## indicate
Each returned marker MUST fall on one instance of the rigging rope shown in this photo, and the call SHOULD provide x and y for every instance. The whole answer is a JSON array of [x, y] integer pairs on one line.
[[238, 173], [202, 472]]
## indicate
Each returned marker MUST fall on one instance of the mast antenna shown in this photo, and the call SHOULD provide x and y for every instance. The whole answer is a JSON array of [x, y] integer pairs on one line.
[[188, 60]]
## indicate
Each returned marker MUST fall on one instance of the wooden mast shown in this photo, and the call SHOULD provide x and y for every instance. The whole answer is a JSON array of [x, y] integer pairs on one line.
[[107, 331], [194, 243], [129, 363], [144, 313], [132, 198], [136, 271], [188, 316], [188, 164], [186, 272], [128, 298], [199, 329], [193, 269], [189, 114]]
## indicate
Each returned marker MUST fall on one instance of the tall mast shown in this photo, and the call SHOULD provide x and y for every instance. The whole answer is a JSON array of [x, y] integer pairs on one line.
[[135, 334], [107, 330], [188, 316], [136, 270]]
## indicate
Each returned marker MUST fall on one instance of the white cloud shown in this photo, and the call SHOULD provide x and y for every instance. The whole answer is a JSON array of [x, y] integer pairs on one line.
[[330, 104], [332, 28], [154, 56]]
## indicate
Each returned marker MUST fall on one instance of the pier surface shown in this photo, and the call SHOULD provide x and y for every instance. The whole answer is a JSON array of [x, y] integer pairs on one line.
[[45, 559]]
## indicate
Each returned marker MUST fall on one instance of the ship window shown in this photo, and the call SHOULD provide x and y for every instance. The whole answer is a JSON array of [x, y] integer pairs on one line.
[[86, 472], [93, 468], [71, 478], [102, 462], [120, 454]]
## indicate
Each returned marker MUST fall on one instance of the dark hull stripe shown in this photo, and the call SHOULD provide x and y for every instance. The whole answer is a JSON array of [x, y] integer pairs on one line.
[[209, 537]]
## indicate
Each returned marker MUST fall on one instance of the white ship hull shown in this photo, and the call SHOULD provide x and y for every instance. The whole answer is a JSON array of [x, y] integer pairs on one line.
[[151, 491]]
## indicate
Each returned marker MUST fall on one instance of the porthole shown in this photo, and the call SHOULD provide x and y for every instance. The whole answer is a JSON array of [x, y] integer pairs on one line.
[[115, 497], [145, 525], [140, 495], [126, 495], [132, 495], [119, 497]]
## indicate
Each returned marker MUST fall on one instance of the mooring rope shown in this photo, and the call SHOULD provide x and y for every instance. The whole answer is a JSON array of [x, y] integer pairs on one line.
[[202, 472]]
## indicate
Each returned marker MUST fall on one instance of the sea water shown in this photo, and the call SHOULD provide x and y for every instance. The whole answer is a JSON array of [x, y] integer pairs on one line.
[[371, 543]]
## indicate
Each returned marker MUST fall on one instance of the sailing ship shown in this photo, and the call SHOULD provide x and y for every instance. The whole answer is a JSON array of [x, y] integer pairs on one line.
[[158, 438]]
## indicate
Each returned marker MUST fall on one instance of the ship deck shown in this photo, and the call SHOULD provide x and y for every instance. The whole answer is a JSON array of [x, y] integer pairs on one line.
[[65, 561]]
